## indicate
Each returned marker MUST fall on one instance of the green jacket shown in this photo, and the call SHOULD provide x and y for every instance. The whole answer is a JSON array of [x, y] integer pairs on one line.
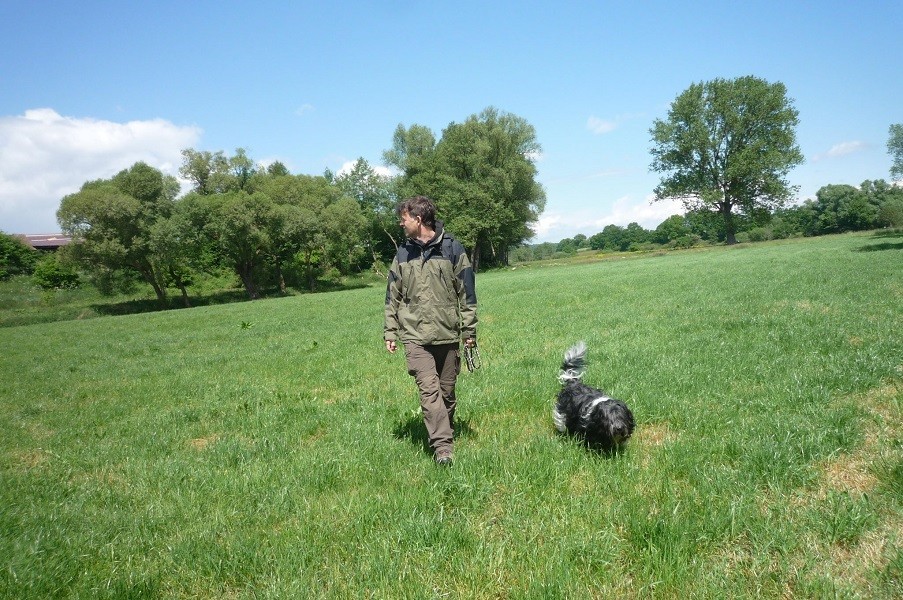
[[430, 296]]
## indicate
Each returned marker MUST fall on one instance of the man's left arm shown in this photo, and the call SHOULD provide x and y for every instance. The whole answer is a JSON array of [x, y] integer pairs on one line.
[[467, 298]]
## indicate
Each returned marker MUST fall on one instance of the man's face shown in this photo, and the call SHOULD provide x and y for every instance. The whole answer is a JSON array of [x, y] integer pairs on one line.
[[411, 225]]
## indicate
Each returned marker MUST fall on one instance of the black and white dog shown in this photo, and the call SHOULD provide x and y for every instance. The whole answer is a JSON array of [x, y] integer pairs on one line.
[[602, 422]]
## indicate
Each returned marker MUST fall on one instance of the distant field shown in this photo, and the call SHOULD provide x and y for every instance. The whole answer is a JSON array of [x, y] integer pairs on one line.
[[273, 449]]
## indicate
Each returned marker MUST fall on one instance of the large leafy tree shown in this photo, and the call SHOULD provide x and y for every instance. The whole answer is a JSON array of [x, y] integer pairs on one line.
[[895, 148], [727, 145], [239, 227], [481, 173], [112, 223], [412, 151], [303, 227]]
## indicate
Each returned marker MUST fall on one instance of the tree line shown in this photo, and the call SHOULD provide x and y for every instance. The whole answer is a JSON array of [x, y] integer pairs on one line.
[[724, 150], [835, 209], [272, 230]]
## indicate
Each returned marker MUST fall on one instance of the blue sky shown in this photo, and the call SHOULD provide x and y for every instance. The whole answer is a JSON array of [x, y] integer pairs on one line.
[[88, 88]]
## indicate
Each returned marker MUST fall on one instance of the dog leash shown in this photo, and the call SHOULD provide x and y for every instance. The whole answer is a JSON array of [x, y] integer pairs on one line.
[[472, 357]]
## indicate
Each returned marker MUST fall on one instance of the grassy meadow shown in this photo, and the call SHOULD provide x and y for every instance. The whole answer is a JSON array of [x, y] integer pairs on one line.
[[273, 449]]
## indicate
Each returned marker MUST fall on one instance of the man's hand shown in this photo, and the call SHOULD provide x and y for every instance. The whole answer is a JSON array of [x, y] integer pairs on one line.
[[391, 346], [470, 342]]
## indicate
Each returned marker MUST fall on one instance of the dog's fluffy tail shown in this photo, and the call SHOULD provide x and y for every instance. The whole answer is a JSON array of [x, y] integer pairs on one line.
[[574, 363]]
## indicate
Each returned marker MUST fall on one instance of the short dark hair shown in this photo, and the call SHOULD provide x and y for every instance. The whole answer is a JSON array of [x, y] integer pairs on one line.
[[419, 206]]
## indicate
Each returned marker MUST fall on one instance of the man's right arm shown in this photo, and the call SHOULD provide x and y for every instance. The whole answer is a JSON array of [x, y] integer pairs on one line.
[[393, 298]]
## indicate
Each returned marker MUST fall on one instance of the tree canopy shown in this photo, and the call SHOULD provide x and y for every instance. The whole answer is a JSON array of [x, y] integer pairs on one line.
[[376, 196], [482, 175], [726, 145], [112, 223], [258, 222]]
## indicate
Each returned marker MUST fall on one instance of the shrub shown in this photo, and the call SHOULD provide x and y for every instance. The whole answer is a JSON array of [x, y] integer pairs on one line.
[[759, 234], [16, 257], [890, 213], [52, 274], [685, 241]]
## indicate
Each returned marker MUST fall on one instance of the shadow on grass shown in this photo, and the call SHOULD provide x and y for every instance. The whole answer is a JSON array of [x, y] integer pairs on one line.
[[888, 233], [176, 302], [880, 247], [895, 234], [599, 450], [412, 429]]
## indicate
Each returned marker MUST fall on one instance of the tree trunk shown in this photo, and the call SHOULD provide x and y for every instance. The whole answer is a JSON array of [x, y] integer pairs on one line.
[[311, 280], [180, 283], [280, 276], [730, 227], [150, 275], [161, 293], [185, 300], [246, 273]]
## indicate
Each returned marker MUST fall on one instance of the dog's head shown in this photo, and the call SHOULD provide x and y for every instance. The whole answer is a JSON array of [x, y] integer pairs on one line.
[[610, 424]]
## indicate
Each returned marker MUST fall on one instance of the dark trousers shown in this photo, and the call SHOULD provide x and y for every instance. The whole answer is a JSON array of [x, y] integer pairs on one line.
[[435, 369]]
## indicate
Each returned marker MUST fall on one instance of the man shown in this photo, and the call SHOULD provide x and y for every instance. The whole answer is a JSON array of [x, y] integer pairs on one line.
[[431, 304]]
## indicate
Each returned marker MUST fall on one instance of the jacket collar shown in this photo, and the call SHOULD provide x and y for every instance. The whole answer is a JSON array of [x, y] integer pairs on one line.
[[440, 231]]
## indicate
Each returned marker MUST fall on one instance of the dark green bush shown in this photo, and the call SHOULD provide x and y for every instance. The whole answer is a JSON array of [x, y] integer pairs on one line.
[[16, 256], [685, 241], [52, 274], [759, 234]]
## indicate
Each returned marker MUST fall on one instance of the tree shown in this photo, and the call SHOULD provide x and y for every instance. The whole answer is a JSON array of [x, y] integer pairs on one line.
[[567, 246], [634, 235], [481, 175], [275, 169], [305, 229], [610, 238], [840, 208], [171, 241], [345, 228], [895, 148], [110, 222], [412, 148], [672, 228], [890, 214], [239, 224], [215, 173], [705, 225], [375, 195], [726, 145]]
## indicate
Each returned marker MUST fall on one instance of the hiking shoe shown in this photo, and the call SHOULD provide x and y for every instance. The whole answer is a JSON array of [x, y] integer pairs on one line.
[[444, 459]]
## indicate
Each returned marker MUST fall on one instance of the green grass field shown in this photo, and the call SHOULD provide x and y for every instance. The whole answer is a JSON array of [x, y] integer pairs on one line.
[[273, 449]]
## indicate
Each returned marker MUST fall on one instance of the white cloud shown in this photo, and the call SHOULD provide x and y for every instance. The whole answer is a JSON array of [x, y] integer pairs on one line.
[[348, 165], [841, 149], [545, 225], [304, 109], [647, 213], [554, 226], [45, 156], [600, 126]]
